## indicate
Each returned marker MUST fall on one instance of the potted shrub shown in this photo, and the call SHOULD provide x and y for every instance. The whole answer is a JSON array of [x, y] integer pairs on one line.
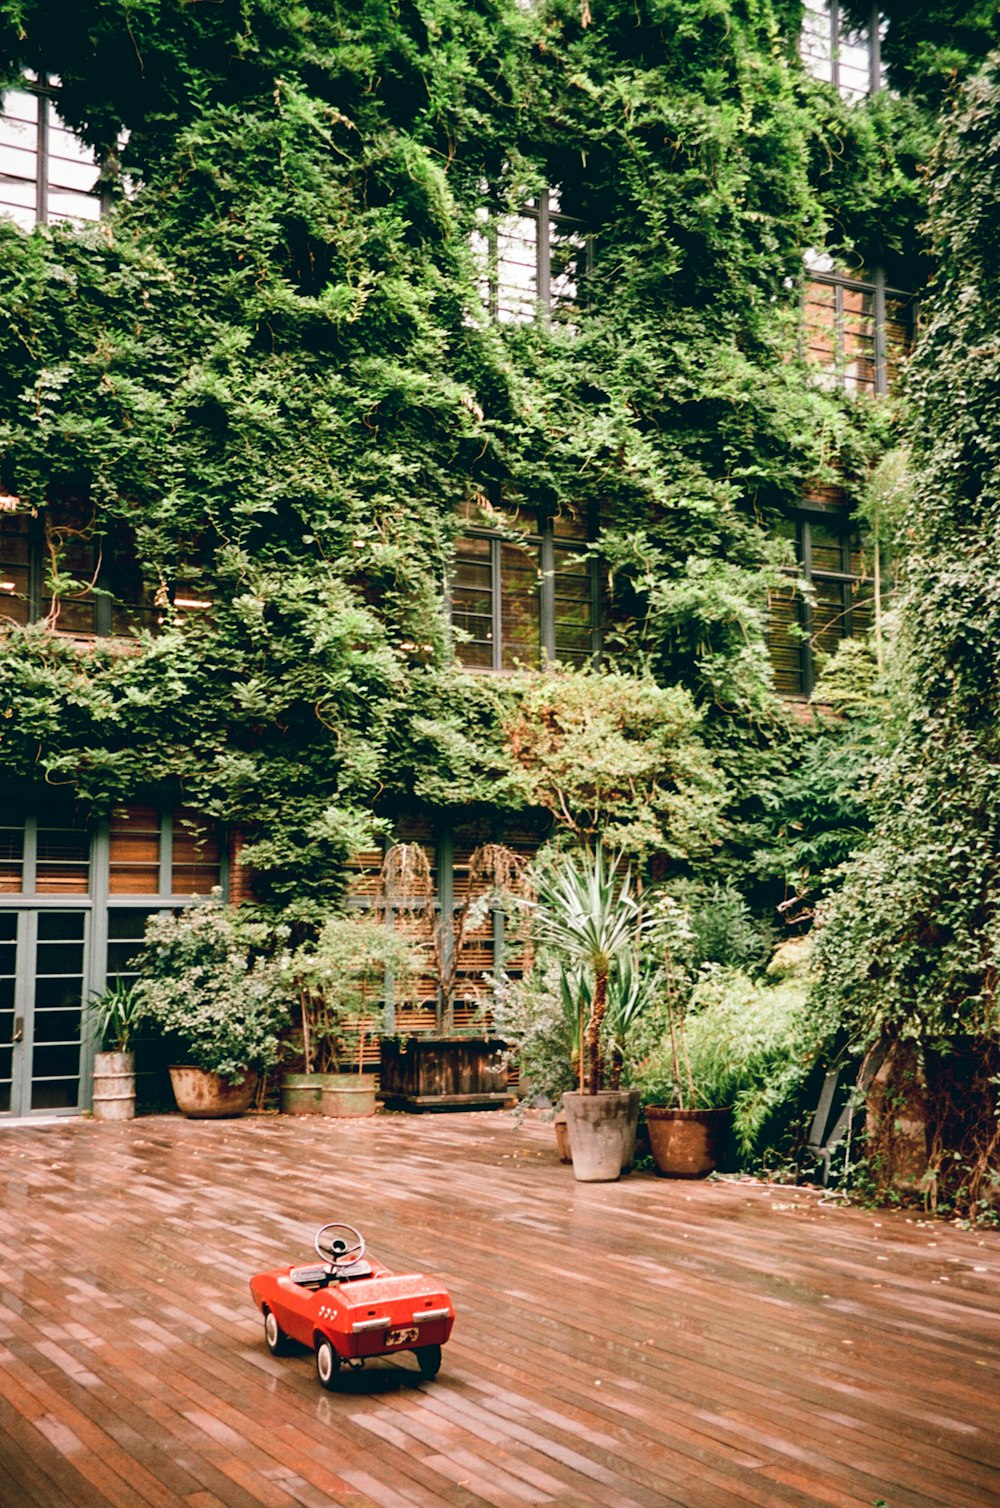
[[114, 1016], [207, 982], [587, 915], [733, 1054], [343, 977]]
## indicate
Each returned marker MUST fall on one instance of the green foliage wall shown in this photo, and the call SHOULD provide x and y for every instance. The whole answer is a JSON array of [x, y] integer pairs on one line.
[[268, 364], [910, 948]]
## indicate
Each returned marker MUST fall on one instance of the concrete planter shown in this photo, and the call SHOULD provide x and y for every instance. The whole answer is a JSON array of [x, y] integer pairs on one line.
[[114, 1086], [350, 1099], [601, 1132], [203, 1095], [686, 1143]]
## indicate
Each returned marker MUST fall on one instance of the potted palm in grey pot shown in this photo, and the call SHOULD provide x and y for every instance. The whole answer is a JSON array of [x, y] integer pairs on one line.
[[587, 914]]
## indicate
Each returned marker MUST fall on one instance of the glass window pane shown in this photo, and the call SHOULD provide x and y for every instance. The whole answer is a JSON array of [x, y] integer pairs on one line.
[[11, 867], [55, 1094], [472, 602], [196, 854], [63, 864], [15, 564], [60, 926], [785, 642], [126, 930], [519, 605], [826, 546]]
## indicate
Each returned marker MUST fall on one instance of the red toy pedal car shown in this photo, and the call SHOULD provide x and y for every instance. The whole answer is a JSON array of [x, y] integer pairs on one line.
[[348, 1309]]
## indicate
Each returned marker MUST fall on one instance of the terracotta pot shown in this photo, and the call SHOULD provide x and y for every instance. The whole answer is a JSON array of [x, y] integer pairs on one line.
[[686, 1143], [562, 1138], [601, 1132], [114, 1086], [349, 1099], [203, 1095]]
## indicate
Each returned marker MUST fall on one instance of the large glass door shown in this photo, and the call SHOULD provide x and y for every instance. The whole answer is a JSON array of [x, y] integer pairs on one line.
[[9, 1002], [43, 983]]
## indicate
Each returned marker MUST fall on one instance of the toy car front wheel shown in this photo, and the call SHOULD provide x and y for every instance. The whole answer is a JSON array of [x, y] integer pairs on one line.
[[429, 1360], [274, 1337], [327, 1363]]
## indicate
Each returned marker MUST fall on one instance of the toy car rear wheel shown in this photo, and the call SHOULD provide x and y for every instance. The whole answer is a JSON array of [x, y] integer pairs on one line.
[[327, 1363], [274, 1337], [429, 1360]]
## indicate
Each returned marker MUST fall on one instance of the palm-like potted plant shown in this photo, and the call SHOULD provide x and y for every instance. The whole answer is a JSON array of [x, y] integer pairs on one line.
[[588, 915], [115, 1015], [208, 980]]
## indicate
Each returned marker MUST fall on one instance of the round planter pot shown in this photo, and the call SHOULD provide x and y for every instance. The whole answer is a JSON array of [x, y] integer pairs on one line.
[[114, 1086], [206, 1096], [302, 1093], [349, 1100], [686, 1143], [601, 1132]]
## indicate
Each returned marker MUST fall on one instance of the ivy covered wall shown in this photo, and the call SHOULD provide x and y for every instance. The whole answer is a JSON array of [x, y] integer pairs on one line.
[[271, 365]]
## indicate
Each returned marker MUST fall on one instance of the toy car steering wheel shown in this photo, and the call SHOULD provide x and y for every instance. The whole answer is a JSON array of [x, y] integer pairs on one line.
[[340, 1245]]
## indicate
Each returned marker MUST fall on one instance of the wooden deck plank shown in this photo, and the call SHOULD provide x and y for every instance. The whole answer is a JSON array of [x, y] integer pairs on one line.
[[632, 1345]]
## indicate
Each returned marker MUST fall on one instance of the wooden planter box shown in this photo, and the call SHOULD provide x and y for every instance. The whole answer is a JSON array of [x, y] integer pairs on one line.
[[443, 1073]]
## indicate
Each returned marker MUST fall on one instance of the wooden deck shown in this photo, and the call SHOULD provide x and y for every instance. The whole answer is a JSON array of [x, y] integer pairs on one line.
[[643, 1343]]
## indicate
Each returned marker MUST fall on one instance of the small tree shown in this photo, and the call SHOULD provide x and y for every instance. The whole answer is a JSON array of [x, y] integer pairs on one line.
[[341, 980]]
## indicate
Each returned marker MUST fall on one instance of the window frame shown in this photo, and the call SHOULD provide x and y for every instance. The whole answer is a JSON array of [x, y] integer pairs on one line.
[[46, 94], [543, 218], [803, 573], [547, 542]]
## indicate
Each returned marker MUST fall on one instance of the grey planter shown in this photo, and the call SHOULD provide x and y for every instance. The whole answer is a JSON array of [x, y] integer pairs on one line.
[[601, 1132]]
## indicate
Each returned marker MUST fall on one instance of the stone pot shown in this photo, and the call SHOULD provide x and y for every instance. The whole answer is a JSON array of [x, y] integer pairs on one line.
[[114, 1086], [350, 1099], [203, 1095], [601, 1132], [686, 1143]]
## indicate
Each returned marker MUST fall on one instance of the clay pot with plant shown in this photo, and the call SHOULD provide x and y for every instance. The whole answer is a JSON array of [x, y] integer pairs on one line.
[[216, 985]]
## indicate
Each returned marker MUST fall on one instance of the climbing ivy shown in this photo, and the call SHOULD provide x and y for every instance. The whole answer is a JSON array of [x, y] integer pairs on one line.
[[270, 364], [910, 945]]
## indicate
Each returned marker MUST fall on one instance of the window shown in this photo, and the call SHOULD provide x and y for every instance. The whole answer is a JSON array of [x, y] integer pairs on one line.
[[525, 599], [46, 173], [831, 598], [857, 331], [429, 899], [833, 51], [534, 263], [100, 585]]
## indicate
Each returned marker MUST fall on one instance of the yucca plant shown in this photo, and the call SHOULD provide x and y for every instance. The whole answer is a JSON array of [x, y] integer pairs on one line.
[[586, 913]]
